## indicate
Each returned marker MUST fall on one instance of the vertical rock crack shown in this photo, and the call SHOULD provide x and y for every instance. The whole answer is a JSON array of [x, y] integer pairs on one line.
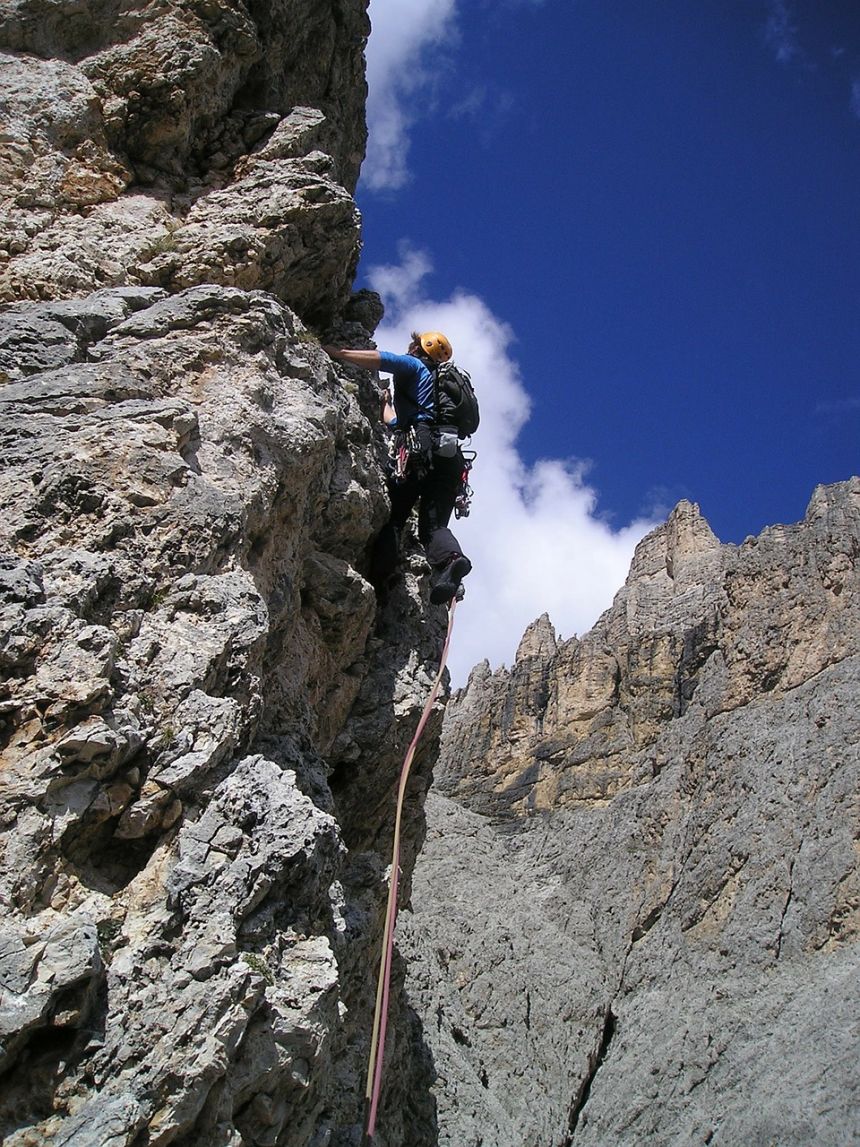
[[595, 1063]]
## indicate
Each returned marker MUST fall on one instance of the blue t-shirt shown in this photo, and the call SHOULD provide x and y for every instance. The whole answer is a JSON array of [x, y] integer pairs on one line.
[[413, 388]]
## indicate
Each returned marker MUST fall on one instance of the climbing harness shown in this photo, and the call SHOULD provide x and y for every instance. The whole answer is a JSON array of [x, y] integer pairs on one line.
[[463, 501], [380, 1018], [408, 455]]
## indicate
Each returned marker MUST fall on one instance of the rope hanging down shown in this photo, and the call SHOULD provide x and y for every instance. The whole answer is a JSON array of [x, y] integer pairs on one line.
[[380, 1018]]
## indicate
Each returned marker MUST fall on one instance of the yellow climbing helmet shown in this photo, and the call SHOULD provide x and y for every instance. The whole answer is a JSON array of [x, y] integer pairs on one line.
[[436, 346]]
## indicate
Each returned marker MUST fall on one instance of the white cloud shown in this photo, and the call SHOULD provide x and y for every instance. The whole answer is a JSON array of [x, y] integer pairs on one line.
[[412, 72], [780, 33], [399, 284], [535, 538], [406, 53]]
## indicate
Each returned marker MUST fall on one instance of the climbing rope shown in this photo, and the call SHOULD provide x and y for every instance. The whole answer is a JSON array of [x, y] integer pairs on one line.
[[380, 1018]]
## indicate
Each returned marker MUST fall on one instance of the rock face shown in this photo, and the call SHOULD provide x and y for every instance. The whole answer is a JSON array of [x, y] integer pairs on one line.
[[198, 698], [637, 913], [202, 708], [170, 144]]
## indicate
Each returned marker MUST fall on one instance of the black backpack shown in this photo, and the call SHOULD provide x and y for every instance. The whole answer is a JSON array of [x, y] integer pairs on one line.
[[456, 401]]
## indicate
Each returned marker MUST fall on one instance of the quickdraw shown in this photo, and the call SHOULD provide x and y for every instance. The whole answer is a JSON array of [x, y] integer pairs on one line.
[[401, 457], [406, 456], [463, 501]]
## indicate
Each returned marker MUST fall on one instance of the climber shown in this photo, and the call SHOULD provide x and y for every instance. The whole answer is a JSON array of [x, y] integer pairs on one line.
[[429, 479]]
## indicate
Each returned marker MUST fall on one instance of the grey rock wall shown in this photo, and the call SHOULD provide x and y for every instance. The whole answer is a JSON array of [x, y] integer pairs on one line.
[[202, 708], [635, 918], [170, 144], [197, 692]]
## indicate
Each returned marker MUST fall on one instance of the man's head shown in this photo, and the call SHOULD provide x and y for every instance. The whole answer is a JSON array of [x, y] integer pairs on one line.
[[430, 344]]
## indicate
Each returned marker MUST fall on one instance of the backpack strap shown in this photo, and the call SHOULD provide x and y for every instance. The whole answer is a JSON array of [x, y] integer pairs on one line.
[[437, 417]]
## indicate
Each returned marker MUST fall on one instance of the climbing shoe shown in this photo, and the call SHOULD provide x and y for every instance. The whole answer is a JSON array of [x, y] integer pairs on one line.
[[446, 580]]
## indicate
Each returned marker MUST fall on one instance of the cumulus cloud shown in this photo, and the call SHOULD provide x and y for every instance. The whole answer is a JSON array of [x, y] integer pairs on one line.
[[535, 536], [780, 32], [405, 55], [410, 58]]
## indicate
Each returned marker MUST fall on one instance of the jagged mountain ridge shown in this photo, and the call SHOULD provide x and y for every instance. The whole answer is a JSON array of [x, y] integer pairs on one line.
[[636, 916]]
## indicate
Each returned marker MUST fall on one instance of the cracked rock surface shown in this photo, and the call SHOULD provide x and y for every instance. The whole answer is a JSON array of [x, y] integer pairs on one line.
[[203, 712], [168, 145], [202, 705], [636, 917]]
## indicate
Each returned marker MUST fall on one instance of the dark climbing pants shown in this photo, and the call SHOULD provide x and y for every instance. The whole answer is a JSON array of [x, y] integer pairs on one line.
[[434, 493]]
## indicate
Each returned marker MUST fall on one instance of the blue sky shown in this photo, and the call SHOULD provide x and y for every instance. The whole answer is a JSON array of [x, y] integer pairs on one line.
[[641, 220]]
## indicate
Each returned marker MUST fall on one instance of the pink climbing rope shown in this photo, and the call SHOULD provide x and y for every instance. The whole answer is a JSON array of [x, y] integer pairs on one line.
[[380, 1018]]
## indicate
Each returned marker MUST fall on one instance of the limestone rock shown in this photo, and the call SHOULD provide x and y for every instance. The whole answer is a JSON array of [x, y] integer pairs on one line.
[[695, 619], [202, 706], [34, 338], [56, 155], [187, 496], [635, 922], [539, 640], [643, 926], [286, 226], [49, 980], [164, 106], [172, 146]]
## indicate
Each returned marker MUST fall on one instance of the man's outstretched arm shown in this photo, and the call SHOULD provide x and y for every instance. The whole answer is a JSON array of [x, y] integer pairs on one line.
[[368, 359]]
